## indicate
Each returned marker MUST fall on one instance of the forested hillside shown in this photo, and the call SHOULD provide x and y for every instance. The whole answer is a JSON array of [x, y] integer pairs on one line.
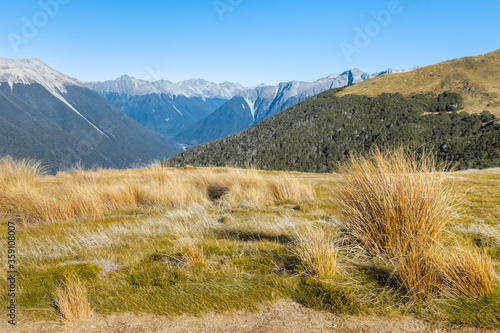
[[316, 134]]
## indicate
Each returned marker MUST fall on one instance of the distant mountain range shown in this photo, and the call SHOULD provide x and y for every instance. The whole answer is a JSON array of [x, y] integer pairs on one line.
[[196, 111], [50, 117], [165, 107]]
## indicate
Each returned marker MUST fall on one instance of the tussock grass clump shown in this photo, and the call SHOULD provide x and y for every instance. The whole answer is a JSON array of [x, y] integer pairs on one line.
[[192, 254], [393, 201], [24, 171], [72, 301], [286, 188], [317, 253], [395, 206], [81, 194]]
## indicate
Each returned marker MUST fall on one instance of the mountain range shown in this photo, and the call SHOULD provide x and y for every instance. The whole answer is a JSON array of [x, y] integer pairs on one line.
[[252, 106], [196, 111], [50, 117], [165, 107]]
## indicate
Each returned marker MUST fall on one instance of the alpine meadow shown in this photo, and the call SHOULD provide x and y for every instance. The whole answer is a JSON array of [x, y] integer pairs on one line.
[[168, 166]]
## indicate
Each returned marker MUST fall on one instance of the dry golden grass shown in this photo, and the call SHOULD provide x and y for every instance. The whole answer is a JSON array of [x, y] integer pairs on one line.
[[419, 272], [317, 252], [394, 205], [467, 272], [233, 186], [72, 301], [194, 255], [29, 197], [242, 248], [286, 188], [21, 171], [391, 201]]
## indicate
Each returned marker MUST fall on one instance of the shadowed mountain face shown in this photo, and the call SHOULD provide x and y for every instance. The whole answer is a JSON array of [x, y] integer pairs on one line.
[[164, 114], [52, 118], [254, 105]]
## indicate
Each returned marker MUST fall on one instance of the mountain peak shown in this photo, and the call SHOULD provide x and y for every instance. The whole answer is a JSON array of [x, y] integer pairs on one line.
[[29, 71]]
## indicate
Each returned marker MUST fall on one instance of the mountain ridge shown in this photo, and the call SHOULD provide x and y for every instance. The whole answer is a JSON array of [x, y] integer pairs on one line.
[[131, 86], [324, 130]]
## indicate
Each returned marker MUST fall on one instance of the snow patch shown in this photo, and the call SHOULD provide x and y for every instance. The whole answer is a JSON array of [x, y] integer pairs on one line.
[[252, 107], [176, 109]]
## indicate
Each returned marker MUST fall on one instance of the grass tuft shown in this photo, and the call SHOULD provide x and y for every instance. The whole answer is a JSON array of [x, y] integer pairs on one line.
[[468, 272], [397, 207], [317, 253], [72, 301]]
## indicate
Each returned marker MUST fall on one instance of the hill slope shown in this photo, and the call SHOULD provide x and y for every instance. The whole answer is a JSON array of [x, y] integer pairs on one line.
[[50, 117], [316, 134], [477, 79]]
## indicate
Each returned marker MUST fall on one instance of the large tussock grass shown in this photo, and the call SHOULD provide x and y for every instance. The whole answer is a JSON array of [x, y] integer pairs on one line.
[[396, 206], [393, 201]]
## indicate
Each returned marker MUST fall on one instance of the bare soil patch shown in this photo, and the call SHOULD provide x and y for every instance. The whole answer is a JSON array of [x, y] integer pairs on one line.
[[282, 316]]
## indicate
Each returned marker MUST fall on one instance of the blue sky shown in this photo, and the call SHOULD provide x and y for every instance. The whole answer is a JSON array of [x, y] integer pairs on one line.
[[246, 41]]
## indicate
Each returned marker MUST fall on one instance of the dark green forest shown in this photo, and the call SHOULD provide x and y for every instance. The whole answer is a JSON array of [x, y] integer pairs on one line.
[[316, 134]]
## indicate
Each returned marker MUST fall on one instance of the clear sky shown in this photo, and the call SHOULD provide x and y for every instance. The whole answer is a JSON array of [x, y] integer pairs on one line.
[[246, 41]]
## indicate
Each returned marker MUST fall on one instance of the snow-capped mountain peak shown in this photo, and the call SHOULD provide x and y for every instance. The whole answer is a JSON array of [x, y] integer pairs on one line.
[[28, 71]]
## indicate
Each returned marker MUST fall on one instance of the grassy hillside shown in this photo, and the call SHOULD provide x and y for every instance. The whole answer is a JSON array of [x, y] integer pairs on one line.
[[185, 241], [477, 79]]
